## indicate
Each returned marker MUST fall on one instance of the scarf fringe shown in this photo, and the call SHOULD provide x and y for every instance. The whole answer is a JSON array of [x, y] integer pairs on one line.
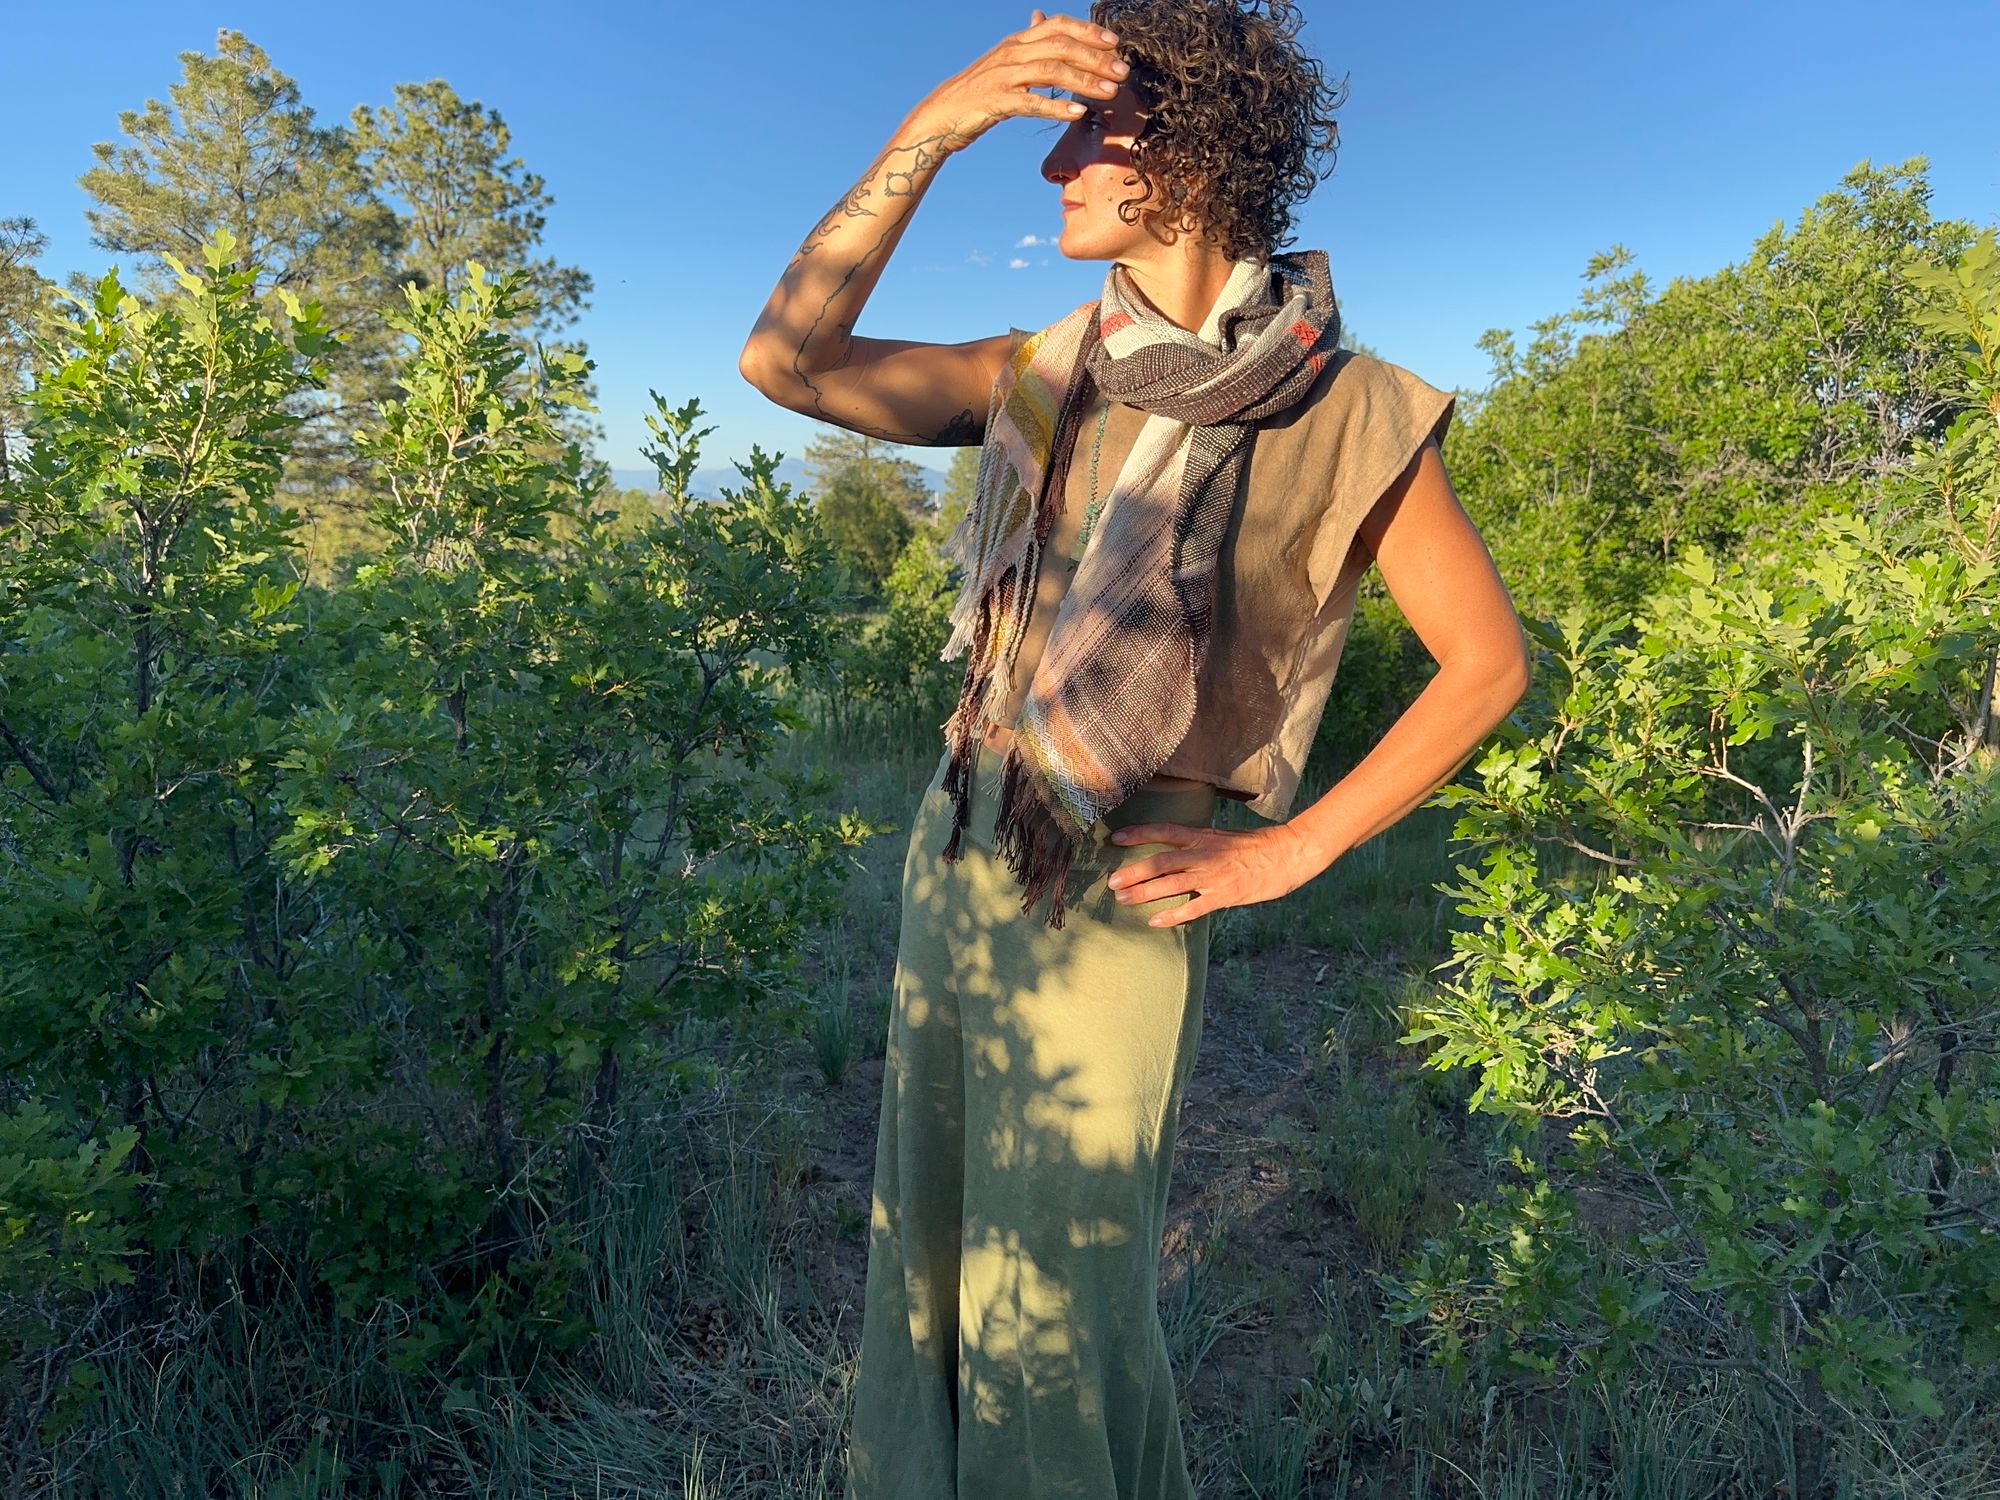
[[989, 663], [1037, 849]]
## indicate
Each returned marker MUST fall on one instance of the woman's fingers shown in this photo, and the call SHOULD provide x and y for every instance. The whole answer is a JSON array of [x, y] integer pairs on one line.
[[1153, 866], [1075, 46], [1074, 25], [1173, 883], [1078, 41], [1054, 52], [1180, 835], [1187, 911], [1052, 72], [1141, 873]]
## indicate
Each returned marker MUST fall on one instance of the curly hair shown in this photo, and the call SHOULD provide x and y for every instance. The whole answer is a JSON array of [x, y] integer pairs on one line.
[[1239, 117]]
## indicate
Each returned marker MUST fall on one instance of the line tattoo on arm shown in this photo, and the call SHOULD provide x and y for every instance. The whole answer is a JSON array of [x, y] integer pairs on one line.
[[900, 181]]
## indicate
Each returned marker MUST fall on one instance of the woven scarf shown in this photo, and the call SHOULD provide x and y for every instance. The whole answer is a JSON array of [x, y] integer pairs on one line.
[[1114, 691]]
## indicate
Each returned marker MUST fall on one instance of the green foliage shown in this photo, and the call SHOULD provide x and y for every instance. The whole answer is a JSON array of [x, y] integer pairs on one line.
[[1723, 412], [961, 479], [63, 1206], [838, 453], [141, 625], [333, 926], [1961, 305], [870, 504], [347, 217], [889, 664], [1371, 1149], [443, 160], [1736, 930], [234, 149], [469, 463], [866, 529]]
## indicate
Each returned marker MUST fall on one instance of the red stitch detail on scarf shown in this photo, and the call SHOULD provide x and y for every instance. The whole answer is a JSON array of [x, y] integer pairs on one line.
[[1304, 332], [1113, 323]]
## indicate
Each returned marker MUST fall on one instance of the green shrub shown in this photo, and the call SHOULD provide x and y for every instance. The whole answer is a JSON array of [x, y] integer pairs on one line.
[[332, 926], [888, 674], [1736, 931]]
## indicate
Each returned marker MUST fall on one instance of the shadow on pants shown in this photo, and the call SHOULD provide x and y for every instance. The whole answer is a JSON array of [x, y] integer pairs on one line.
[[1011, 1341]]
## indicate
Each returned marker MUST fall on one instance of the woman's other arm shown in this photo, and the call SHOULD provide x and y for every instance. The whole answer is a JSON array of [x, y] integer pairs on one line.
[[1437, 569], [803, 352], [1441, 576]]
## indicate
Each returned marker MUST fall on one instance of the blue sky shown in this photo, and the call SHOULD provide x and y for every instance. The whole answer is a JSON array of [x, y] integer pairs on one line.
[[1488, 150]]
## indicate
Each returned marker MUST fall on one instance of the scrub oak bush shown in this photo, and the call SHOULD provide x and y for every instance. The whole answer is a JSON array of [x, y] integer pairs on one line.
[[888, 668], [1732, 963], [335, 927], [1722, 410], [143, 627]]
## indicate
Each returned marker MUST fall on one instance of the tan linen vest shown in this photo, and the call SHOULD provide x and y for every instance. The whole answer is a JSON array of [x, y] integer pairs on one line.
[[1284, 592]]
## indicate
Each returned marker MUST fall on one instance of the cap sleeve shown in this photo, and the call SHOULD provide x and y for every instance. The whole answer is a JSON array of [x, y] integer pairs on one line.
[[1383, 414]]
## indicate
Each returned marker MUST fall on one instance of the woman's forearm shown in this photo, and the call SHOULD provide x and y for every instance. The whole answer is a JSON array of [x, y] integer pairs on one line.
[[802, 351], [807, 322], [1454, 713]]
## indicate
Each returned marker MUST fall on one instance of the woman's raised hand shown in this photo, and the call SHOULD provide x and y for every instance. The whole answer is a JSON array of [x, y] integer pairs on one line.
[[803, 352], [1054, 52]]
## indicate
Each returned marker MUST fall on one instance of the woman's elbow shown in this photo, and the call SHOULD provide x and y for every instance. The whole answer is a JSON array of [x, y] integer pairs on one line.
[[758, 365], [1495, 666], [766, 371], [1516, 670]]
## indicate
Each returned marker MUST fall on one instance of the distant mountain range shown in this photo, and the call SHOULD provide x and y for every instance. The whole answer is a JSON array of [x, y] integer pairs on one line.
[[708, 481]]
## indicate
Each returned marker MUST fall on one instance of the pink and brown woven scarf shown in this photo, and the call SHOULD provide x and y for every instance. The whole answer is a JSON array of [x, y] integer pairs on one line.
[[1114, 691]]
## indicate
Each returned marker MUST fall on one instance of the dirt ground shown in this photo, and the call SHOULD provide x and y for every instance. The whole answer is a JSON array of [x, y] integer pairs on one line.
[[1227, 1166]]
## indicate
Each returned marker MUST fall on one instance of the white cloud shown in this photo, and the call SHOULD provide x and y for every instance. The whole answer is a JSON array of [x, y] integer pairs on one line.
[[978, 259], [1016, 263], [1035, 239]]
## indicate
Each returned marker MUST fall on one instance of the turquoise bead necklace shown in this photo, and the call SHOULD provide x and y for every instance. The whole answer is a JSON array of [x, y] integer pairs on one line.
[[1090, 510]]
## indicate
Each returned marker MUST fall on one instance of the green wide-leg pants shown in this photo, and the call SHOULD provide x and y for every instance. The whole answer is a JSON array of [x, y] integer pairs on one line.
[[1011, 1342]]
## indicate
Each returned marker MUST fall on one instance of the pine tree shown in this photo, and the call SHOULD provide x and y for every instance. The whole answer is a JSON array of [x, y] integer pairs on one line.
[[23, 293], [235, 149], [840, 456], [443, 161], [344, 216], [960, 480]]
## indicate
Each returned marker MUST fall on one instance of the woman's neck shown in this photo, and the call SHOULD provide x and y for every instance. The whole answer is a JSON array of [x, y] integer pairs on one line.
[[1180, 282]]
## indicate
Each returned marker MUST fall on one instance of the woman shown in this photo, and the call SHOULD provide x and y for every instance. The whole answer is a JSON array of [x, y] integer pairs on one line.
[[1146, 629]]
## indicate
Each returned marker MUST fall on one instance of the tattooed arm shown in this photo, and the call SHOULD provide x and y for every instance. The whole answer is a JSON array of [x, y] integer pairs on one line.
[[803, 352]]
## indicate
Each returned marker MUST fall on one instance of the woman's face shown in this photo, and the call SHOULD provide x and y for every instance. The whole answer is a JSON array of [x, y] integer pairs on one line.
[[1091, 163]]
